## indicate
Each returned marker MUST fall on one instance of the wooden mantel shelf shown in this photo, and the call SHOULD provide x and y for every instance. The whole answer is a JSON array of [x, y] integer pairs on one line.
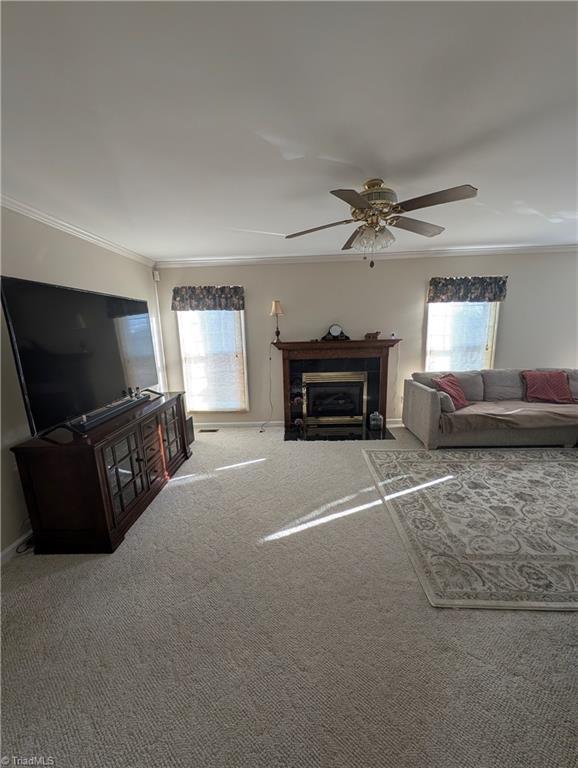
[[344, 346], [317, 350]]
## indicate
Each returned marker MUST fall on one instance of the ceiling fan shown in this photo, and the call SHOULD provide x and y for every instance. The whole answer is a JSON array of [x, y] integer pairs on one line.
[[377, 208]]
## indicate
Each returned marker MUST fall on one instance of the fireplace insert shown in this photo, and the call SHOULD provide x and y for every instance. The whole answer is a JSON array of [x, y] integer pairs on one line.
[[334, 397]]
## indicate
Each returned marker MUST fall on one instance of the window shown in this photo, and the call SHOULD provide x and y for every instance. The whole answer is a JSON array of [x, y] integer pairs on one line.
[[461, 335], [213, 357]]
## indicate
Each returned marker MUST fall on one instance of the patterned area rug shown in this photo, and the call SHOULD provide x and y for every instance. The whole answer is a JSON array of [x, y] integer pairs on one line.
[[490, 528]]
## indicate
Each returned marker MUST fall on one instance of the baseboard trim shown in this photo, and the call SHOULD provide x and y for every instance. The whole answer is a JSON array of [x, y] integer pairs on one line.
[[394, 423], [8, 553]]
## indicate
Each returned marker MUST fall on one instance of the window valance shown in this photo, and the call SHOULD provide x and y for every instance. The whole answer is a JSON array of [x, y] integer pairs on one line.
[[208, 297], [491, 288]]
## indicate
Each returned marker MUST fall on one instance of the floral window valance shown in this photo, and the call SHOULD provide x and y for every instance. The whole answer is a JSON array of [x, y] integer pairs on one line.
[[204, 297], [467, 289]]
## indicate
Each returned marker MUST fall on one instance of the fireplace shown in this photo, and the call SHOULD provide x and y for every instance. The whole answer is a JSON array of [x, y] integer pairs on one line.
[[334, 397], [331, 387]]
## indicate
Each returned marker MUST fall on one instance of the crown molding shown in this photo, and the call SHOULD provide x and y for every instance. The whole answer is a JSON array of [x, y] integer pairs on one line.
[[70, 229], [294, 258], [245, 261]]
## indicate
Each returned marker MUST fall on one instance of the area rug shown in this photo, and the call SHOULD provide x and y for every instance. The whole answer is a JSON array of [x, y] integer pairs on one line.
[[486, 528]]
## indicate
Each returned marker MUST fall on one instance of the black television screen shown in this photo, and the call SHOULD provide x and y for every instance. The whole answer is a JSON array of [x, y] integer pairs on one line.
[[76, 351]]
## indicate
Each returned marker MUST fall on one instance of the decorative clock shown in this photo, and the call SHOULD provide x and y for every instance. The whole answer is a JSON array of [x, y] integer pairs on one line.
[[335, 333]]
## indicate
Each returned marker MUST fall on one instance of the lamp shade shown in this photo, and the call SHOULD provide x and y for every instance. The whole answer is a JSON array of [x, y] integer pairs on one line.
[[276, 308]]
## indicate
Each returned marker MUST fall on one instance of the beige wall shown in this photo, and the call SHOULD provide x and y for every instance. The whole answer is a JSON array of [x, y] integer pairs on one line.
[[35, 251], [537, 324]]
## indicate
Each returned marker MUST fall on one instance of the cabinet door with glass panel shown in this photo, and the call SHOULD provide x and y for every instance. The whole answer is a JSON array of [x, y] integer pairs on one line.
[[170, 429], [125, 475]]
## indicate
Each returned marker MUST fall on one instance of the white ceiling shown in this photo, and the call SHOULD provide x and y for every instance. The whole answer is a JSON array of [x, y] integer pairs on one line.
[[170, 128]]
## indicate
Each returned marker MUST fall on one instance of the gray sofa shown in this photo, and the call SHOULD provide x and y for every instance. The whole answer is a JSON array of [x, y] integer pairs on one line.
[[497, 415]]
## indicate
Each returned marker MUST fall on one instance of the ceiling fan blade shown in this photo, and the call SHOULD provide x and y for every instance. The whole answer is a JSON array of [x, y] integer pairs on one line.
[[437, 198], [254, 231], [316, 229], [419, 227], [352, 197], [352, 238]]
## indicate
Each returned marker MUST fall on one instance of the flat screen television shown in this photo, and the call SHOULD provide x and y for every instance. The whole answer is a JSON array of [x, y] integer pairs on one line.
[[76, 351]]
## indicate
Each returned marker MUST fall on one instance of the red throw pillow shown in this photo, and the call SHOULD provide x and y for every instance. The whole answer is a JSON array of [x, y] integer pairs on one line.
[[547, 387], [449, 383]]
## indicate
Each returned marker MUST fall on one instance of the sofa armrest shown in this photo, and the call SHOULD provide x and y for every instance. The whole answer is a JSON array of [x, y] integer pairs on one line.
[[421, 412]]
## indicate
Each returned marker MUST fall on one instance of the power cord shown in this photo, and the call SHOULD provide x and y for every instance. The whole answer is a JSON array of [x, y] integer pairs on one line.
[[24, 546], [265, 423], [398, 390]]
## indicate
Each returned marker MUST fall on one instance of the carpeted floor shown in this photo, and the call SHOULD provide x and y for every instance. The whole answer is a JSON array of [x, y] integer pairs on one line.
[[267, 615]]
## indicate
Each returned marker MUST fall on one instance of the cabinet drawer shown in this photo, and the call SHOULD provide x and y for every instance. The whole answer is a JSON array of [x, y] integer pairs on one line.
[[149, 429], [156, 472], [152, 450]]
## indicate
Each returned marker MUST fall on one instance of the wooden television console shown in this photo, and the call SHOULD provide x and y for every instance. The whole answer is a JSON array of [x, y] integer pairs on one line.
[[83, 492]]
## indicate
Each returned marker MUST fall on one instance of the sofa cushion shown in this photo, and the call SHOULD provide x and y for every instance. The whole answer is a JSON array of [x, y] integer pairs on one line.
[[573, 382], [503, 384], [511, 414], [470, 381], [547, 387], [451, 386], [446, 403], [572, 378]]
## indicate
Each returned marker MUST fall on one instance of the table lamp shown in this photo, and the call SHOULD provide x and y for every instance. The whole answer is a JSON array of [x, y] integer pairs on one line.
[[276, 311]]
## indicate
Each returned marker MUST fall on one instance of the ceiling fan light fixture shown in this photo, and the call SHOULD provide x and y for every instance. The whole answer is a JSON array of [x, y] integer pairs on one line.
[[384, 238], [365, 240], [372, 239]]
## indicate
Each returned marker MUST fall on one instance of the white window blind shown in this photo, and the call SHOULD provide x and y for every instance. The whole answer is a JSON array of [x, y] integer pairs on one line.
[[461, 335], [214, 360]]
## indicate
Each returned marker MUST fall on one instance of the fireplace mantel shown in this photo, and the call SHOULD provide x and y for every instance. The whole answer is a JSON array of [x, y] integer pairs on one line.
[[350, 348], [327, 350]]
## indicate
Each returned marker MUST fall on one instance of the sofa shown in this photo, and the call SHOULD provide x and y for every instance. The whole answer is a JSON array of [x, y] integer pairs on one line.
[[497, 414]]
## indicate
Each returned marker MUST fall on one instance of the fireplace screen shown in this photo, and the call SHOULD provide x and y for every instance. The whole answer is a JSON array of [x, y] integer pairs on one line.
[[335, 397]]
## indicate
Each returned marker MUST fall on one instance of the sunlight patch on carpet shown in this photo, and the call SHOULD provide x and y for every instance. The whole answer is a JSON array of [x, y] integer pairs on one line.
[[344, 513], [240, 464]]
